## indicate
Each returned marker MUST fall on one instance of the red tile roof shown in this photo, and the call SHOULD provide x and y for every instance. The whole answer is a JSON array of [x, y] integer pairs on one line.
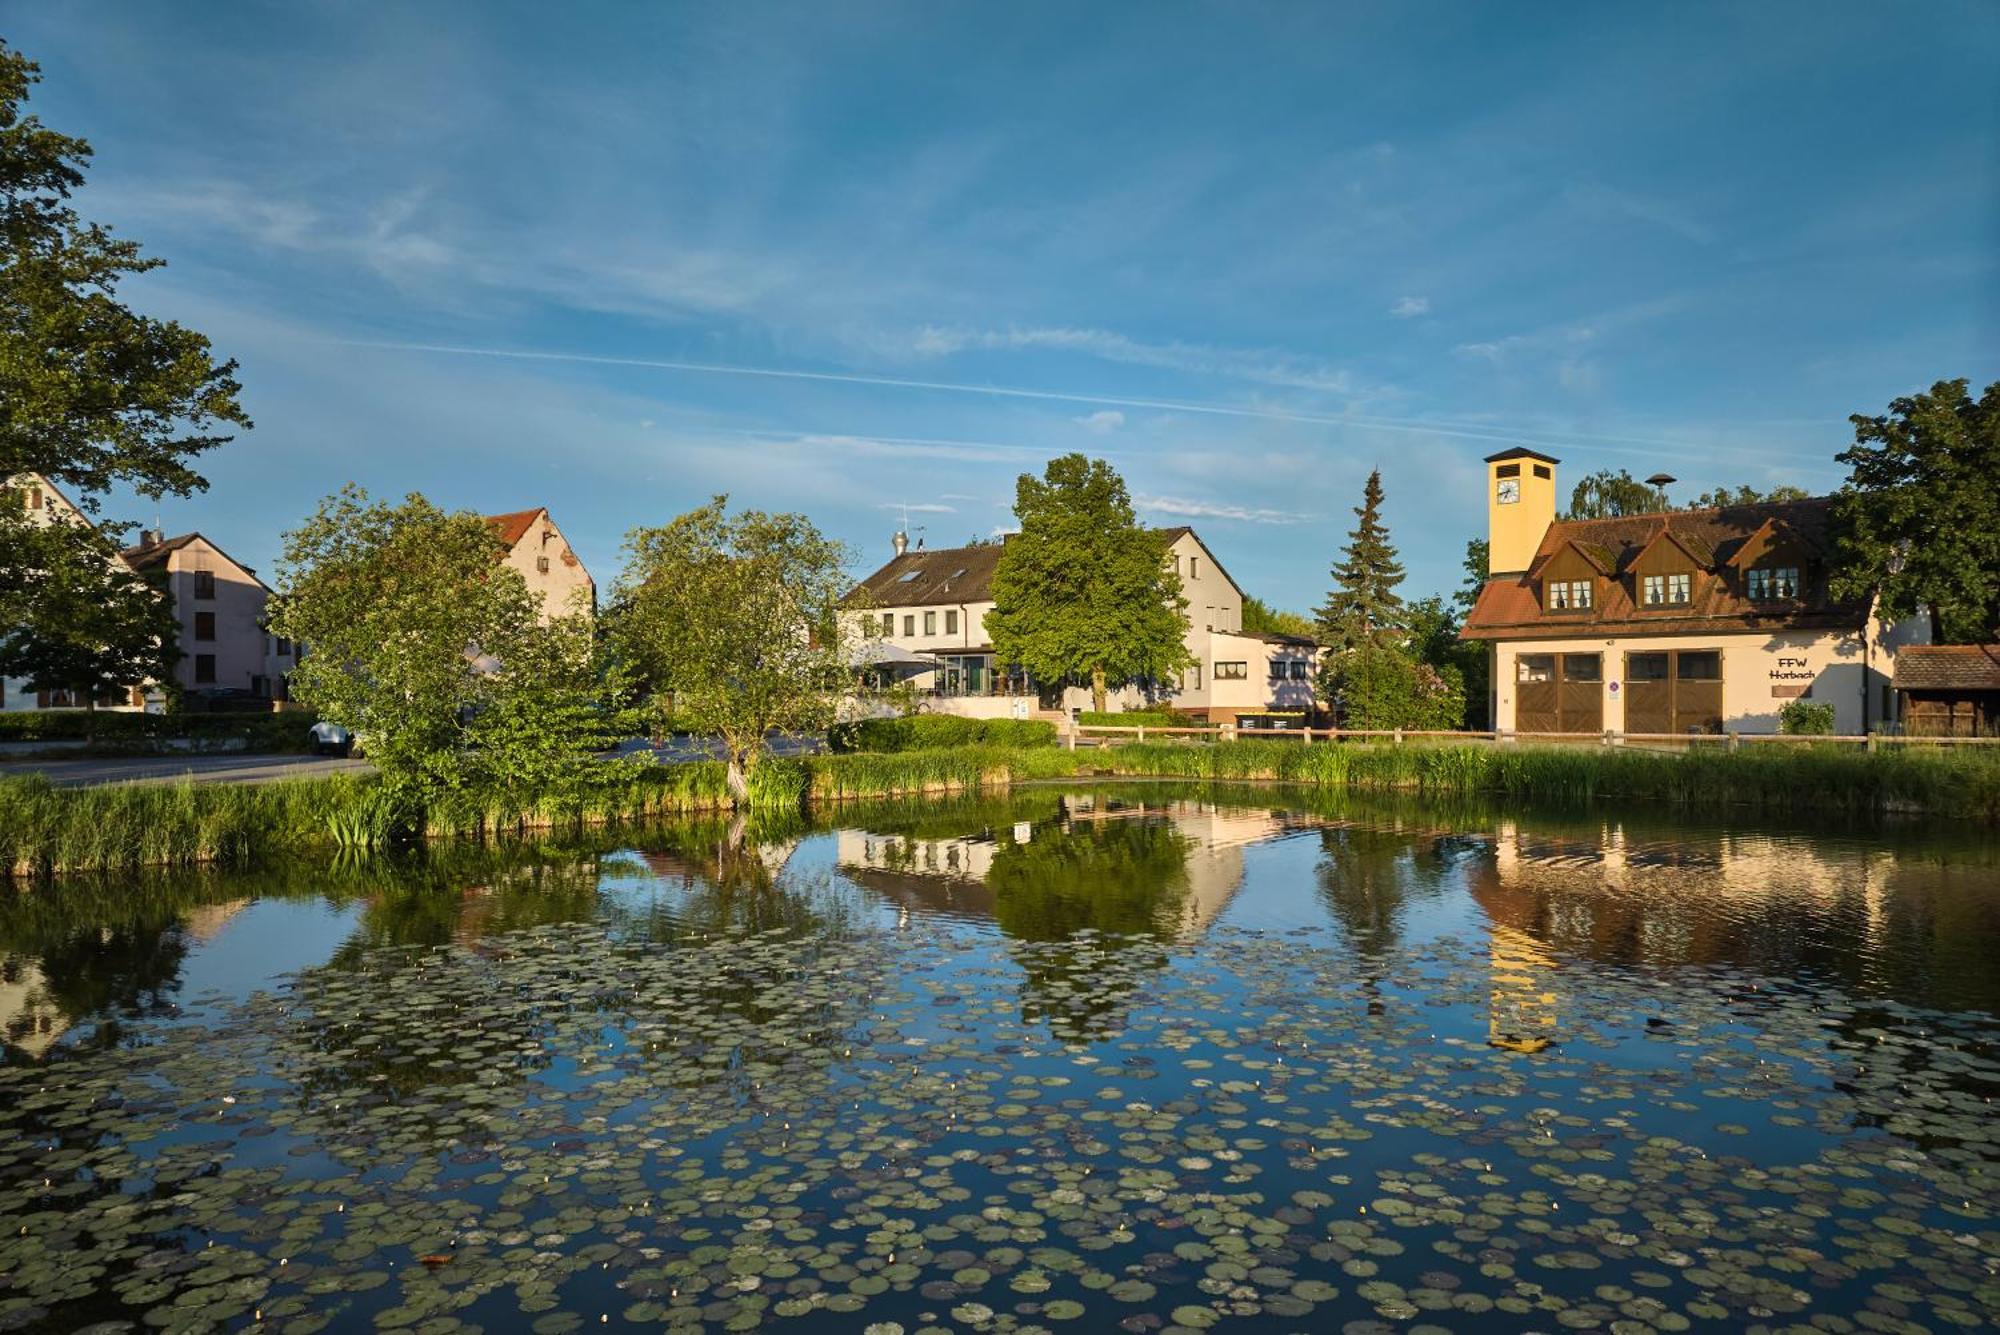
[[1511, 608], [511, 528], [1949, 667]]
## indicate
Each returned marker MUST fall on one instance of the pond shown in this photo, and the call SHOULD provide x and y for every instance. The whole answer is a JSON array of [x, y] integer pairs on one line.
[[1136, 1057]]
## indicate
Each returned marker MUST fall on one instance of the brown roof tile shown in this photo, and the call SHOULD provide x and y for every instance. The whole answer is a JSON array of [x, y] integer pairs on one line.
[[511, 528], [943, 575], [1949, 667], [1511, 607]]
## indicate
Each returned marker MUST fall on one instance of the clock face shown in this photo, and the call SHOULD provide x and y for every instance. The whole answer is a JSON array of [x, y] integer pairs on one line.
[[1508, 491]]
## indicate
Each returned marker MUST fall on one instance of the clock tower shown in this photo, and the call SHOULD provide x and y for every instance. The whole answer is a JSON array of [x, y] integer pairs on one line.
[[1520, 506]]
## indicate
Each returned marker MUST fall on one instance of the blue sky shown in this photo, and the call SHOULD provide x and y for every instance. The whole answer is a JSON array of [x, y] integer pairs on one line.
[[843, 258]]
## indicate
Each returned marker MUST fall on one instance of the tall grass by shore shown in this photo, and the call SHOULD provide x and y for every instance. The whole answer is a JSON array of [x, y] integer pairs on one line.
[[45, 830]]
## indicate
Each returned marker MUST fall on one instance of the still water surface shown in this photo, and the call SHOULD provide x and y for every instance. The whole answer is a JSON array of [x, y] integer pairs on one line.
[[1131, 1057]]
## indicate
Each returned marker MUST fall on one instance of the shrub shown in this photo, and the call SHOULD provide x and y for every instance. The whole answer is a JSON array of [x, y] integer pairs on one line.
[[928, 732], [1139, 718], [122, 729], [1379, 687], [1811, 718]]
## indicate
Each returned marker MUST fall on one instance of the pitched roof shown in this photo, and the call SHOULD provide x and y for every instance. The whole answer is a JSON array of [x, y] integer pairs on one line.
[[1511, 607], [920, 578], [944, 575], [1949, 667], [511, 528], [147, 555]]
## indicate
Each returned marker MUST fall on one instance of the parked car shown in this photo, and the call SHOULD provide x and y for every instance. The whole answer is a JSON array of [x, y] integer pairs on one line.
[[330, 739]]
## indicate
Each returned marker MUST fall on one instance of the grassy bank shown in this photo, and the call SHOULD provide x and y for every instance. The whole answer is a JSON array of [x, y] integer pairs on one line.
[[44, 829]]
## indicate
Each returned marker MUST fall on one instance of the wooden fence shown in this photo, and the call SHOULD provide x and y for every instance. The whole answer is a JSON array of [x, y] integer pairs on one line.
[[1111, 734]]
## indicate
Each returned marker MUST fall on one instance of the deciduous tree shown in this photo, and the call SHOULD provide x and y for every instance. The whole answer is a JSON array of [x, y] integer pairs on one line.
[[1918, 520], [1260, 618], [434, 654], [735, 622], [74, 616], [1607, 495], [91, 392], [1721, 498], [1083, 592]]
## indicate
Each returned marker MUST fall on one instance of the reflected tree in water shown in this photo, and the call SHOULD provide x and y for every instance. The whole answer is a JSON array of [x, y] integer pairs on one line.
[[1091, 900]]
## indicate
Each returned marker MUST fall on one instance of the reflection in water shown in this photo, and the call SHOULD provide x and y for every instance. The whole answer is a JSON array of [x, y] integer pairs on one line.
[[1908, 916], [703, 1074]]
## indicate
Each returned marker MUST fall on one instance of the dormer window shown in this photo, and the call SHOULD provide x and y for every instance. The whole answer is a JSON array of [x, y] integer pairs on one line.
[[1666, 590], [1569, 595], [1773, 584]]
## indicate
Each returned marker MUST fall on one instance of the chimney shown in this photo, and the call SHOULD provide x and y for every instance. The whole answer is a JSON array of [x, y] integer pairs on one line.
[[901, 542], [1520, 506], [152, 537]]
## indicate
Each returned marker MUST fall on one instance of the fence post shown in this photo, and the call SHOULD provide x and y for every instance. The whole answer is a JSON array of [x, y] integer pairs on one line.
[[1070, 733], [1399, 736], [1306, 734], [1142, 732], [1870, 743], [1735, 741]]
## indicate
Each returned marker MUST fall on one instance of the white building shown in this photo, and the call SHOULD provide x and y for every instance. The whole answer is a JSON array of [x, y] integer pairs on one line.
[[930, 608], [553, 570]]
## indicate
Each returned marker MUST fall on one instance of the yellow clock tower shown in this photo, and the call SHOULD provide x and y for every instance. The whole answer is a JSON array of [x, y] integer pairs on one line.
[[1520, 506]]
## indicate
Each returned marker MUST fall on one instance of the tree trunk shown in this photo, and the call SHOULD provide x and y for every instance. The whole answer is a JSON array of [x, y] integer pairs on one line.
[[1097, 689], [739, 780]]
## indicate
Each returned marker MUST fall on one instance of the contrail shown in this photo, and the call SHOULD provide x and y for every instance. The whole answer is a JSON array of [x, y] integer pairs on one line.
[[1563, 439]]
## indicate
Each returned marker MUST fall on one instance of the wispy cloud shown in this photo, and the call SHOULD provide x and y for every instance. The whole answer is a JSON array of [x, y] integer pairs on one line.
[[1102, 423], [1189, 509], [1411, 307], [919, 508], [1268, 366], [1602, 201]]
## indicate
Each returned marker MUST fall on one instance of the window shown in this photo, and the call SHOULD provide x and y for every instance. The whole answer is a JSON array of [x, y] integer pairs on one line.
[[1279, 670], [1699, 665], [204, 669], [951, 622], [1583, 667], [1645, 667], [930, 623], [542, 564], [909, 575], [284, 647], [1194, 567], [1666, 590], [1232, 671], [1535, 667], [1542, 470], [1774, 584], [910, 626], [204, 583], [1507, 470], [1569, 595], [1191, 679], [888, 623], [1301, 669], [204, 625]]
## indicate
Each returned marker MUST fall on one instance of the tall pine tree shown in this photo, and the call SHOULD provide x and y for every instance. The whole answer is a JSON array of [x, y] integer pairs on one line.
[[1363, 607]]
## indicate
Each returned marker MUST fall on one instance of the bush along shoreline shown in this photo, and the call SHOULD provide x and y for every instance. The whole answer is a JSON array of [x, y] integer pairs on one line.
[[46, 830]]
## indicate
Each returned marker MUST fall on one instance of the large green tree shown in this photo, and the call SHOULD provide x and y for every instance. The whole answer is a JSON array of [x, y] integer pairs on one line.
[[436, 655], [1363, 607], [1918, 520], [1260, 618], [733, 624], [1607, 495], [92, 393], [1083, 592], [73, 615]]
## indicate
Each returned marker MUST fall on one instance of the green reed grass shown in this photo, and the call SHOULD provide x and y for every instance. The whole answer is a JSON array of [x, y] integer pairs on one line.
[[45, 829]]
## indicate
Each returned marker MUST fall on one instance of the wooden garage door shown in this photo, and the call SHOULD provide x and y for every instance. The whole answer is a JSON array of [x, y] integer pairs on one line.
[[1673, 690], [1559, 693]]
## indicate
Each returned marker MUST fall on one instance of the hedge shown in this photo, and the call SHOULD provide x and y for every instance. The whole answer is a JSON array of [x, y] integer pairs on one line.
[[926, 732], [130, 729]]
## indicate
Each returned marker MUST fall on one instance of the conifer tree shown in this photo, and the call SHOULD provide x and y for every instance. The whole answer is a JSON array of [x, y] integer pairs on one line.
[[1363, 607]]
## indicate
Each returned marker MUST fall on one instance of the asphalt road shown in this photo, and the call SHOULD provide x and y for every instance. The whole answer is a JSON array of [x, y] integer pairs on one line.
[[168, 769], [269, 769]]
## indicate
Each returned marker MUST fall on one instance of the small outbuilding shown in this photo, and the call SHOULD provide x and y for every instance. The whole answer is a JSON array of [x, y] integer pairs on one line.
[[1949, 690]]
